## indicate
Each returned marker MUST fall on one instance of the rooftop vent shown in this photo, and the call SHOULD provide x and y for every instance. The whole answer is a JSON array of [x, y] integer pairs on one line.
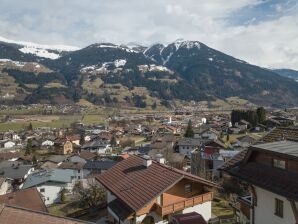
[[160, 159], [147, 161]]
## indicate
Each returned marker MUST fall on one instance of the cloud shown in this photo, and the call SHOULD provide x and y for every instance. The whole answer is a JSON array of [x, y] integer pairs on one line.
[[260, 32]]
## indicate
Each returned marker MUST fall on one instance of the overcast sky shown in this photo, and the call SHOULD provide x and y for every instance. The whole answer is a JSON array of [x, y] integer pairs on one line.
[[263, 32]]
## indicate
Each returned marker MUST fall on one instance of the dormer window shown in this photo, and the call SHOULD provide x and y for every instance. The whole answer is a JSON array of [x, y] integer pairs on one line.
[[278, 163]]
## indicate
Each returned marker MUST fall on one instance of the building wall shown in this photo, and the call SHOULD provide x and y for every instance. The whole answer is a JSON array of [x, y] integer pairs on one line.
[[177, 192], [4, 187], [264, 211], [51, 192], [204, 209]]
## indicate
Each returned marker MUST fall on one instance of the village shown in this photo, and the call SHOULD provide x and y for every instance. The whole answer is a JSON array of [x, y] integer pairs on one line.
[[177, 167]]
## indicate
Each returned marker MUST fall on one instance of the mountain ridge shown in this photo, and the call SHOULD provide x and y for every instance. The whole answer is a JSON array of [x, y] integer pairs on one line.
[[163, 74]]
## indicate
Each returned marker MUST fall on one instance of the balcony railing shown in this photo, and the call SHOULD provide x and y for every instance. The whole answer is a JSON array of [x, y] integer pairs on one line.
[[181, 205]]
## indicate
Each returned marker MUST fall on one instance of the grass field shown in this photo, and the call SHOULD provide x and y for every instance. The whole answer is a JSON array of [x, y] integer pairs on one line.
[[51, 121]]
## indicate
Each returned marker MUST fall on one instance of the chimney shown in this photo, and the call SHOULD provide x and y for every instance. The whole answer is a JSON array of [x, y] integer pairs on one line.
[[160, 159], [147, 161]]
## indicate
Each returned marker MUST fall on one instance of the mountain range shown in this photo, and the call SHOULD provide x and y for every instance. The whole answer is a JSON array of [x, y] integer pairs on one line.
[[135, 75]]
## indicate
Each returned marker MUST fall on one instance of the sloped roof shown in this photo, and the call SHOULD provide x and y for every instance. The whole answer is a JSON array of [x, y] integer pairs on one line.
[[282, 182], [15, 215], [137, 185], [50, 175], [28, 198], [99, 165], [282, 133], [15, 172]]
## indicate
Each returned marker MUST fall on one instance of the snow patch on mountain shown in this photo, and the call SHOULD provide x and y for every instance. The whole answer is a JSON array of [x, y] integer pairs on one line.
[[43, 53], [104, 67]]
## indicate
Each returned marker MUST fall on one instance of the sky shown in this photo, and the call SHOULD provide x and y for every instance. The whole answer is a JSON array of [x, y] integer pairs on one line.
[[261, 32]]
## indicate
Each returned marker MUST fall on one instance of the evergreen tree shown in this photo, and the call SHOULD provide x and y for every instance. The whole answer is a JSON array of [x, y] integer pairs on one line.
[[82, 139], [261, 114], [113, 141], [28, 147], [30, 127], [189, 131], [34, 160], [154, 106], [228, 137]]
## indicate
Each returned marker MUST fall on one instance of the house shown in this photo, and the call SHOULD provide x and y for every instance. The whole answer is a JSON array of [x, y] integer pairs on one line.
[[76, 167], [86, 155], [270, 171], [7, 144], [244, 141], [75, 138], [97, 146], [53, 161], [50, 183], [47, 143], [16, 172], [10, 214], [206, 133], [63, 147], [28, 198], [144, 191], [187, 145], [206, 163], [4, 185]]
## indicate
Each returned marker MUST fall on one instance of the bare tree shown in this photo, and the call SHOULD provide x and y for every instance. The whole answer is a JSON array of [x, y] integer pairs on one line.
[[92, 195]]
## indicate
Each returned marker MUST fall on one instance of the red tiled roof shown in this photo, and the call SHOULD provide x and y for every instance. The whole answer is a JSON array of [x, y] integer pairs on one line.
[[137, 185], [16, 215], [28, 198]]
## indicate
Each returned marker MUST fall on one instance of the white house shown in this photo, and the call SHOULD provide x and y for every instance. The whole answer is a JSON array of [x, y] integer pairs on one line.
[[270, 170], [50, 183], [47, 143], [144, 191]]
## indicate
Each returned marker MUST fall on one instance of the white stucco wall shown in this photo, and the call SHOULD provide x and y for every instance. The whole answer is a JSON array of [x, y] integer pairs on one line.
[[4, 187], [203, 209], [264, 211], [51, 193]]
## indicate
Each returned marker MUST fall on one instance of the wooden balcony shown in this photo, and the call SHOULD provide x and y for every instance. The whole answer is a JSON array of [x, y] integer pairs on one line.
[[189, 202]]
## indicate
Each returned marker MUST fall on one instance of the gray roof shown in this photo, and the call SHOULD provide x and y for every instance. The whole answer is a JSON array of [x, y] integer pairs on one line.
[[50, 175], [95, 144], [15, 172], [190, 141], [99, 165], [282, 147], [57, 158]]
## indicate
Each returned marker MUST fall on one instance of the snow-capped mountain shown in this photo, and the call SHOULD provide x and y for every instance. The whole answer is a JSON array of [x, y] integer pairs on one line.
[[39, 50], [106, 73]]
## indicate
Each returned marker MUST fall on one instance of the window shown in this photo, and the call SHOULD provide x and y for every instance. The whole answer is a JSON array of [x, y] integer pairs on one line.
[[281, 164], [279, 207], [41, 190], [188, 188]]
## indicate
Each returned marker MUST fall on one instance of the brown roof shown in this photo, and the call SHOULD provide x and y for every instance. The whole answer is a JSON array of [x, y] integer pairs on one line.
[[282, 182], [137, 185], [282, 133], [87, 155], [9, 155], [16, 215], [234, 161], [28, 198], [72, 166]]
